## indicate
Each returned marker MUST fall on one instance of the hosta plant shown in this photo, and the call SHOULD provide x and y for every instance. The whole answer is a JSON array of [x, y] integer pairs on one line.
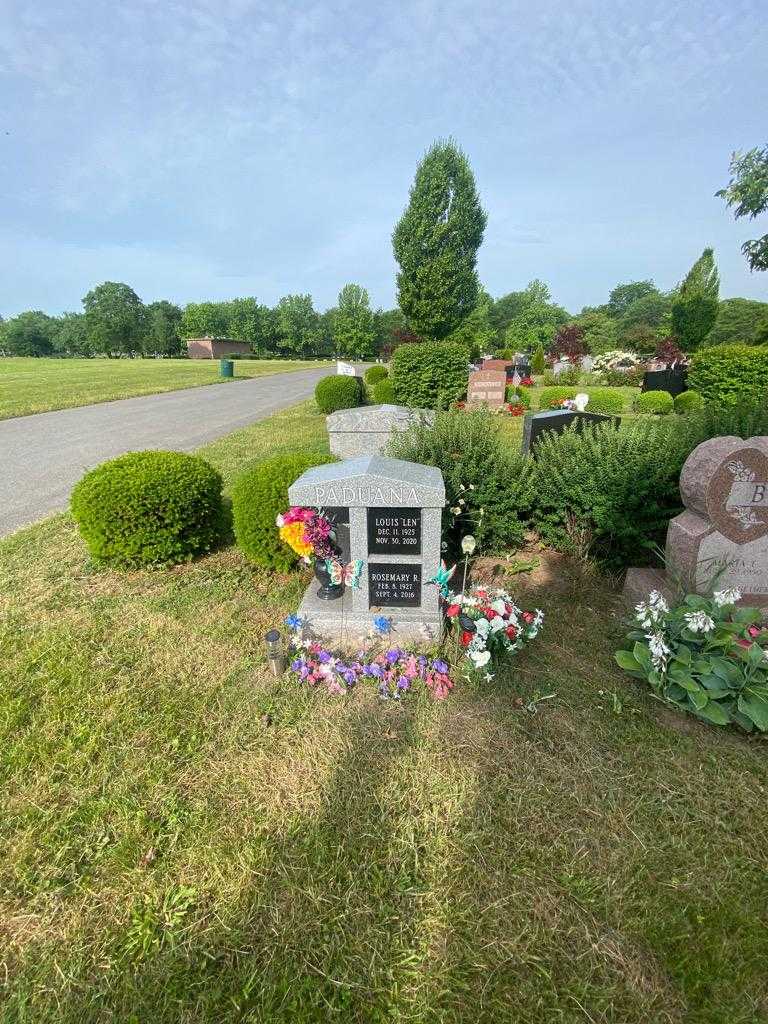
[[704, 656]]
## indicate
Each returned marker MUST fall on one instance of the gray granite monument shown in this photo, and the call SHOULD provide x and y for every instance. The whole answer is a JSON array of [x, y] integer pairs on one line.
[[367, 429], [720, 541], [394, 513]]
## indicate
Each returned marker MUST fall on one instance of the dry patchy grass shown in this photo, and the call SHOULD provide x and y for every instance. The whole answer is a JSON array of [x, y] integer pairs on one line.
[[186, 839]]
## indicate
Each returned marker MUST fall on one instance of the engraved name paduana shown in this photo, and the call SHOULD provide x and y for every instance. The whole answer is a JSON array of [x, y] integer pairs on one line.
[[365, 494]]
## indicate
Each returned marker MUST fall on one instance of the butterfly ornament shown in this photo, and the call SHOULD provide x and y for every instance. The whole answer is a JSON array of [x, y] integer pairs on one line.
[[442, 578], [346, 575]]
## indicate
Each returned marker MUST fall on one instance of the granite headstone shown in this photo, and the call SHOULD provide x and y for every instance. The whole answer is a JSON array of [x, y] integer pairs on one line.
[[487, 387], [367, 429], [394, 511], [721, 539], [556, 421]]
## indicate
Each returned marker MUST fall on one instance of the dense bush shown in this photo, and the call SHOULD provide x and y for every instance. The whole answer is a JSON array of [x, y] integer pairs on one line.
[[565, 378], [613, 492], [688, 401], [431, 375], [480, 470], [608, 401], [375, 373], [149, 508], [518, 396], [614, 378], [730, 373], [657, 402], [338, 392], [538, 359], [384, 393], [259, 495]]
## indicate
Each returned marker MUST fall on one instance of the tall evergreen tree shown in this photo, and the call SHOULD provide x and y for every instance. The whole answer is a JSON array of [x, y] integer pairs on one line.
[[354, 331], [436, 242], [695, 306]]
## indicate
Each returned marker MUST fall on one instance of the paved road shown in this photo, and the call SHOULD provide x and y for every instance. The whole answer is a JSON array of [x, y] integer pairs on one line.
[[43, 456]]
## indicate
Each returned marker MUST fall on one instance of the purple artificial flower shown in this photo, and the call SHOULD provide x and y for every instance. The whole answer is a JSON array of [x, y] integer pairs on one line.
[[297, 665], [323, 657], [403, 683], [374, 670], [393, 656], [439, 665]]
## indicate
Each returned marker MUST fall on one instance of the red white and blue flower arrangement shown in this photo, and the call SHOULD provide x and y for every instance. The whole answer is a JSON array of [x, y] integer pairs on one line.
[[489, 625]]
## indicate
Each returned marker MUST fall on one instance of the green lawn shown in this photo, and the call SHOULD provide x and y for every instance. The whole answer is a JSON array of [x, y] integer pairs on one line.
[[185, 839], [39, 385]]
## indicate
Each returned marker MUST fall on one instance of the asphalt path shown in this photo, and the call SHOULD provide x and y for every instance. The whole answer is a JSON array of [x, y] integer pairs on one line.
[[43, 456]]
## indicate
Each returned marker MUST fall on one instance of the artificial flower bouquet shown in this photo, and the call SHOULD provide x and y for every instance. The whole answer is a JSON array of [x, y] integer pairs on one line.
[[307, 532], [526, 382], [393, 670], [490, 625], [704, 656]]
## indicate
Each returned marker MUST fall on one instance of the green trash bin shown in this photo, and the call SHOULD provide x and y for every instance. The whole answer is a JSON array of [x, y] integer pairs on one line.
[[226, 368]]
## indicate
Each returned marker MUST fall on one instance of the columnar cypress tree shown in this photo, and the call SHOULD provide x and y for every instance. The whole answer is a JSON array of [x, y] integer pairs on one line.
[[694, 308], [436, 242]]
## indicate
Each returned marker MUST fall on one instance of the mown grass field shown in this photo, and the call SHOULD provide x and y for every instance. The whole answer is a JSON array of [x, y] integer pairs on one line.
[[39, 385], [185, 839]]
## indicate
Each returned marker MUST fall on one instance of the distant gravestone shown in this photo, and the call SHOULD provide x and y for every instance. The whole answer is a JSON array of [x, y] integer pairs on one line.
[[393, 509], [721, 539], [556, 421], [487, 387], [345, 369], [561, 366], [367, 429], [674, 380]]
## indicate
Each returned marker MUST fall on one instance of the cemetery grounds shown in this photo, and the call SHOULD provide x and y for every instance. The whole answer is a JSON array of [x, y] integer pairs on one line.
[[187, 839], [30, 385]]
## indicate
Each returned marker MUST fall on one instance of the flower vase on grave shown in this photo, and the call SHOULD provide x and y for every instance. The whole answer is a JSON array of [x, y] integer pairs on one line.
[[328, 591]]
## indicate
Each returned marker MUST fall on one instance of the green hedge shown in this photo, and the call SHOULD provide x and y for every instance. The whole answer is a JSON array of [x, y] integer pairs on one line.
[[430, 375], [338, 392], [259, 495], [730, 373], [375, 373], [607, 401], [657, 402], [149, 508], [518, 396], [486, 480], [688, 401], [384, 393], [611, 493]]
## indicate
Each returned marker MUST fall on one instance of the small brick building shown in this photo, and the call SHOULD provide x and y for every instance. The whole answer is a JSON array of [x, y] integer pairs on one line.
[[216, 348]]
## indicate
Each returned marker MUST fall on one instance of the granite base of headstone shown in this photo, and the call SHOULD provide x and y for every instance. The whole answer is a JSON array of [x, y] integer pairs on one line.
[[394, 512], [536, 424], [673, 381], [720, 541], [368, 429]]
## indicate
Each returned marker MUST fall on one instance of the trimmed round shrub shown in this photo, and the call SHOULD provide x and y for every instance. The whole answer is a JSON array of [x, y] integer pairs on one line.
[[688, 401], [338, 392], [730, 373], [375, 373], [550, 398], [431, 375], [384, 393], [259, 495], [518, 396], [149, 508], [657, 402]]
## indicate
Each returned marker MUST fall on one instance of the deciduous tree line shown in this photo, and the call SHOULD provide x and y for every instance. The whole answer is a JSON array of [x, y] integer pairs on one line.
[[440, 297]]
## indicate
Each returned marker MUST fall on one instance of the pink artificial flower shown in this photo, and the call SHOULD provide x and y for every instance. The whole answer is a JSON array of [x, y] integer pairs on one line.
[[453, 609]]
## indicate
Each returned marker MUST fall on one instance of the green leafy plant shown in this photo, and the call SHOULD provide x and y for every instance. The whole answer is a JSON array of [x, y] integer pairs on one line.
[[703, 657], [149, 508], [259, 495], [730, 373], [518, 396], [431, 375], [375, 373], [688, 401], [659, 403], [486, 482], [538, 359], [384, 393], [338, 392], [565, 378]]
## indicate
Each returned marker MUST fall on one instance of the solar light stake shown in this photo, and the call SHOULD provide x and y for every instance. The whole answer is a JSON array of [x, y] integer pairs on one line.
[[275, 654]]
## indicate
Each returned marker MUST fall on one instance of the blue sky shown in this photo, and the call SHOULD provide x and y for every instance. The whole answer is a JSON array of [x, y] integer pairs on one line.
[[212, 148]]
